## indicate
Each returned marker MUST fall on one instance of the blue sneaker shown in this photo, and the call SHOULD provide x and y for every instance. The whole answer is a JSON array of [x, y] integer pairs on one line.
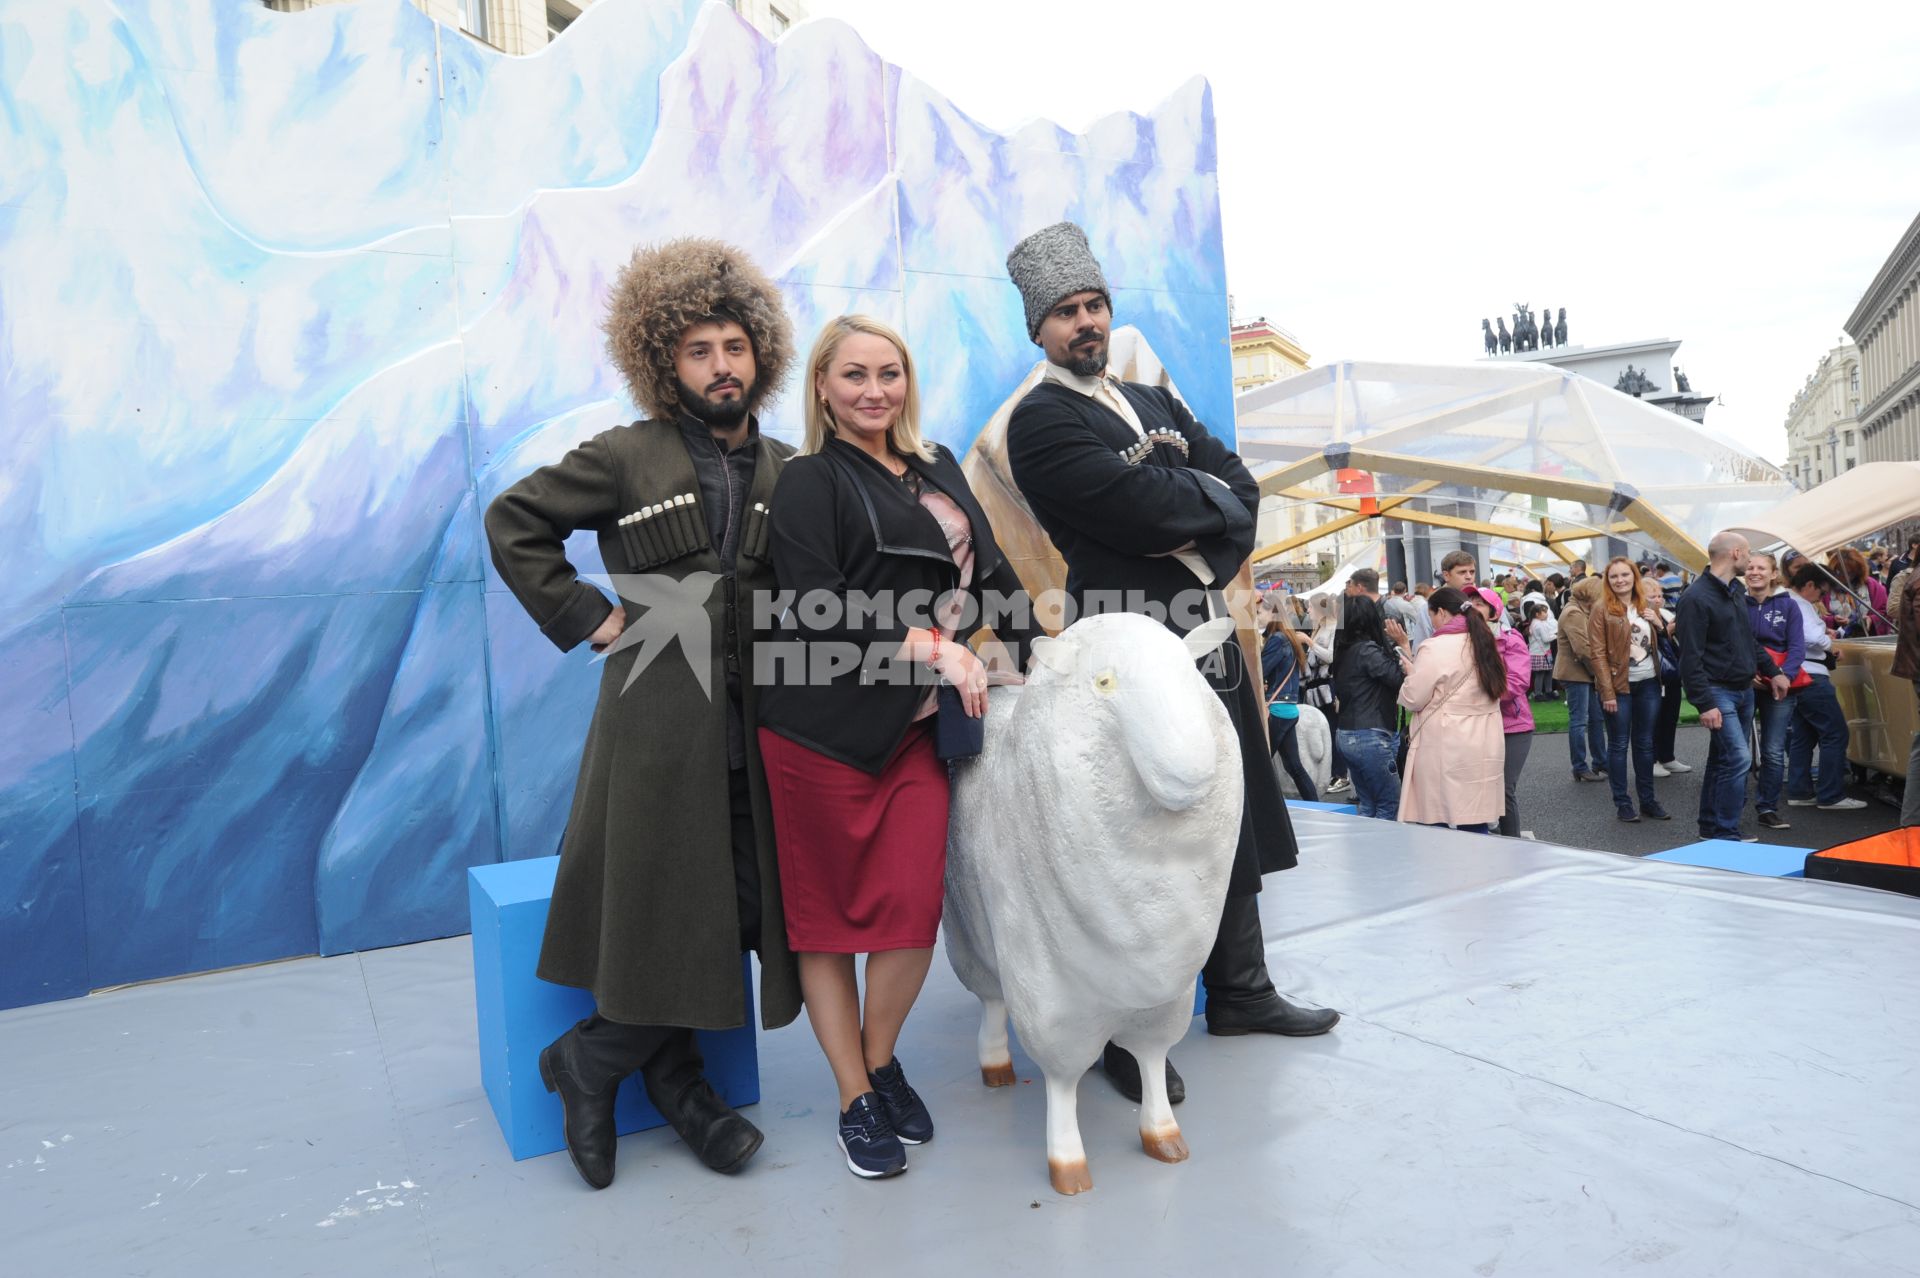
[[867, 1139], [905, 1110]]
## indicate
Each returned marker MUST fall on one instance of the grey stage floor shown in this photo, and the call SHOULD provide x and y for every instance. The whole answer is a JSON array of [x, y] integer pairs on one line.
[[1552, 1063]]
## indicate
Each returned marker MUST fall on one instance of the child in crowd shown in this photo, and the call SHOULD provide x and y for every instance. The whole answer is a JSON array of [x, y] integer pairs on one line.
[[1541, 631]]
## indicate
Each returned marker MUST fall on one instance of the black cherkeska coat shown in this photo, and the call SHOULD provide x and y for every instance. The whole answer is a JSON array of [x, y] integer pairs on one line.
[[645, 912], [846, 530], [1114, 510]]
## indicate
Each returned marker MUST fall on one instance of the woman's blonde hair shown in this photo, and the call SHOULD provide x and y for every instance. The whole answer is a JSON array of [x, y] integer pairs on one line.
[[904, 435], [1282, 624]]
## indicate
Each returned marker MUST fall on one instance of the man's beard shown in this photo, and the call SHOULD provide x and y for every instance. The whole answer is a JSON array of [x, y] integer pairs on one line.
[[722, 413], [1087, 361]]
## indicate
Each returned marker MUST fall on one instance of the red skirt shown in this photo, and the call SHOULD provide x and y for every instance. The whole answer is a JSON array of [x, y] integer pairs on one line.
[[863, 859]]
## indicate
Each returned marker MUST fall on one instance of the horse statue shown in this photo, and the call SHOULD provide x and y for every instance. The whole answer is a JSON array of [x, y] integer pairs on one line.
[[1486, 335], [1506, 338]]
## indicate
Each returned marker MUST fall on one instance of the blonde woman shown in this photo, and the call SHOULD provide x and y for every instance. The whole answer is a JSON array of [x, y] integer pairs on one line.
[[1283, 655], [868, 519], [1317, 688], [1777, 624]]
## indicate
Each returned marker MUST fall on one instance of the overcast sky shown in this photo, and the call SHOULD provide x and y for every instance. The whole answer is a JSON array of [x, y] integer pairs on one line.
[[1728, 175]]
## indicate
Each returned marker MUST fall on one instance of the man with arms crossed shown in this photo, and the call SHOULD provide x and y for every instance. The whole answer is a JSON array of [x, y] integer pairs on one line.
[[1147, 507]]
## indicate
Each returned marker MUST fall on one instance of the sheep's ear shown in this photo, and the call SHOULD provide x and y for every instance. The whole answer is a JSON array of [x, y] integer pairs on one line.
[[1056, 655], [1203, 639]]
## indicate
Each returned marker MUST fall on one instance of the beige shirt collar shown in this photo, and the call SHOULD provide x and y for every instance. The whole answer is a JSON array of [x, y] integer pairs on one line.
[[1103, 389]]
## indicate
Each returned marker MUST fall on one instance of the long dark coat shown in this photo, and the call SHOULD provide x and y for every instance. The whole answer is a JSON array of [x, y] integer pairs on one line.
[[644, 909], [1114, 509]]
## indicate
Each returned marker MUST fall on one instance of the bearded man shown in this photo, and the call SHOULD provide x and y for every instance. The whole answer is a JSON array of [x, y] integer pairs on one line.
[[1153, 514], [667, 871]]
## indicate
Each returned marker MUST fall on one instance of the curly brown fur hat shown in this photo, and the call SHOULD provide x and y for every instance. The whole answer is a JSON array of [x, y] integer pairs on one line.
[[664, 290]]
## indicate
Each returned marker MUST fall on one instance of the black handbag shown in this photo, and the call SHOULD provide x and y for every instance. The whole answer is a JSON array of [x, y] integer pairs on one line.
[[956, 734], [1669, 652]]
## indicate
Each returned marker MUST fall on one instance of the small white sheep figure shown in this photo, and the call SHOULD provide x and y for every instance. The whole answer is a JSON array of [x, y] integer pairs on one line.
[[1315, 741], [1088, 856]]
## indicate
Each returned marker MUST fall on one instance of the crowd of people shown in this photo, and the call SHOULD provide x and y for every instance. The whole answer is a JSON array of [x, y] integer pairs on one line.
[[1411, 673]]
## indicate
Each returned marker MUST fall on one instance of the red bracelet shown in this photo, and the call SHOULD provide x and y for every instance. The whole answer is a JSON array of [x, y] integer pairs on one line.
[[933, 658]]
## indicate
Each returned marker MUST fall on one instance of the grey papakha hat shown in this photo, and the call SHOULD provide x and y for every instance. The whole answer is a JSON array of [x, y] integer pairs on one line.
[[1053, 263]]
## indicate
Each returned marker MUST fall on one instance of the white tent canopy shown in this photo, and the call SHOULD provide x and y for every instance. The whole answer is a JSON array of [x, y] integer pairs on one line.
[[1465, 439], [1845, 508]]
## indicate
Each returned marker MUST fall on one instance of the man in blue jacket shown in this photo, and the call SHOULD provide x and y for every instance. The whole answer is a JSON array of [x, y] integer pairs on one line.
[[1719, 656]]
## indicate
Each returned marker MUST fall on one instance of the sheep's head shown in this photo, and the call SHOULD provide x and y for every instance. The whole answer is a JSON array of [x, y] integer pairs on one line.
[[1131, 682]]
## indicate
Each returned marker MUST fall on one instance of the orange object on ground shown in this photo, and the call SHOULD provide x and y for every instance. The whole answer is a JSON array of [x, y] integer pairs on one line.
[[1890, 861]]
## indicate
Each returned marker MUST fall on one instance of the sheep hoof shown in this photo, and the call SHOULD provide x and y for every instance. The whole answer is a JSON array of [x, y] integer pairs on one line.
[[1000, 1075], [1069, 1178], [1165, 1144]]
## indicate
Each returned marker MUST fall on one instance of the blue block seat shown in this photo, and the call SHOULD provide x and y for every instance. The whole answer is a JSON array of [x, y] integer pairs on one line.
[[520, 1014]]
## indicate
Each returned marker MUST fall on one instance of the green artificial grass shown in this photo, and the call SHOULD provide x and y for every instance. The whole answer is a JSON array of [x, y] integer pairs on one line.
[[1551, 716]]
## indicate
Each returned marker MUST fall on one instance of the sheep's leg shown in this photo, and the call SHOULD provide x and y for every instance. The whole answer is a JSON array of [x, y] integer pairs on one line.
[[996, 1058], [1159, 1133], [1066, 1157]]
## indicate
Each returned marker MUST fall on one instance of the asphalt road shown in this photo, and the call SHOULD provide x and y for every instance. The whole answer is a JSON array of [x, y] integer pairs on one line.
[[1558, 809]]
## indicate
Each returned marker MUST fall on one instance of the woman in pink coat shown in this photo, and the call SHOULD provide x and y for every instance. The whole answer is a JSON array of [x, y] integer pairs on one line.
[[1456, 756], [1516, 716]]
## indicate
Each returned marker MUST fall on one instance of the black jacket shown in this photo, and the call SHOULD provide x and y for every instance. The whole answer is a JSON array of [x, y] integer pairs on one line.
[[1114, 510], [1367, 679], [1114, 521], [1718, 648], [845, 530]]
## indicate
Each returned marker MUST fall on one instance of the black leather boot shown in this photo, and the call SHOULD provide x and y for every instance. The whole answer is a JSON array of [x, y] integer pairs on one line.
[[718, 1136], [1240, 996], [586, 1087], [1124, 1072]]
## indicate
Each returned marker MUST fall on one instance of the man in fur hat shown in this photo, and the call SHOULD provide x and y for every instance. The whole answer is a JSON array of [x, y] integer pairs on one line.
[[667, 872], [1149, 509]]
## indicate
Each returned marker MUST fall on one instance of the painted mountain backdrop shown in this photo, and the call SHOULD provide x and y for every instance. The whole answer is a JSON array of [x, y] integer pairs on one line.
[[286, 299]]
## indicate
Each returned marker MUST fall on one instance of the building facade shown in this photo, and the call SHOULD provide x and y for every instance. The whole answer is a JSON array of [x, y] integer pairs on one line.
[[1886, 325], [1263, 353], [1823, 422], [528, 26], [1617, 365]]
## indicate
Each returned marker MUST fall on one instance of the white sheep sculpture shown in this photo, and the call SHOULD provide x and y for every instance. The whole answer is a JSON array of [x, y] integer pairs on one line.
[[1315, 741], [1087, 865]]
